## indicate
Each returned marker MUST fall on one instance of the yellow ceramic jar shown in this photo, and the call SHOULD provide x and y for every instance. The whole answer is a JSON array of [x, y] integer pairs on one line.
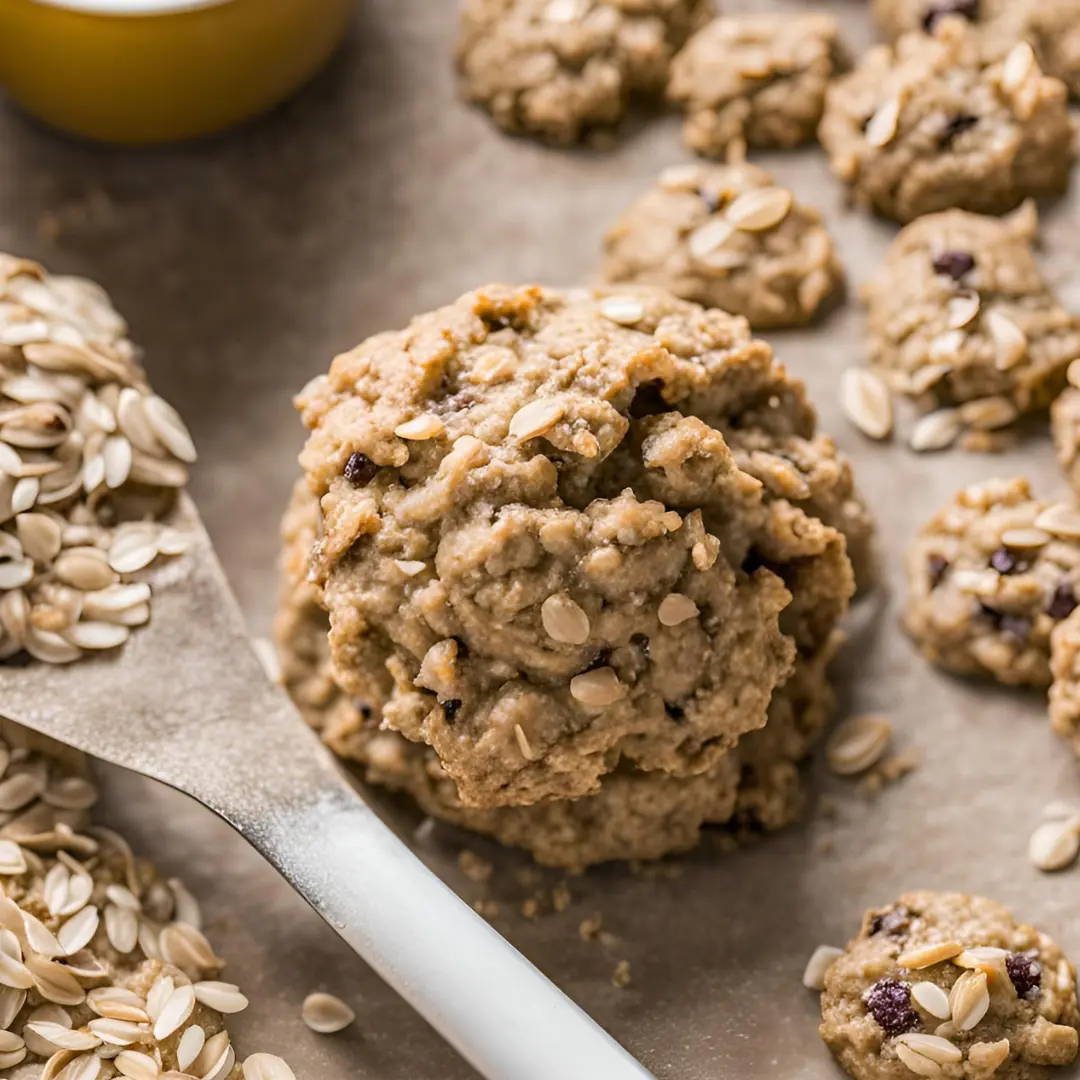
[[156, 70]]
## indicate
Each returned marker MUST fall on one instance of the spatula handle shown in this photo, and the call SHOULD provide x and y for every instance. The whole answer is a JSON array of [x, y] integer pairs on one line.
[[469, 983]]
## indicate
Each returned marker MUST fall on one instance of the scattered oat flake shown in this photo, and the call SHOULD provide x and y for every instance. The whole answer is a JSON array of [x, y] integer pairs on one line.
[[1055, 844], [621, 975], [857, 744], [326, 1014], [821, 959]]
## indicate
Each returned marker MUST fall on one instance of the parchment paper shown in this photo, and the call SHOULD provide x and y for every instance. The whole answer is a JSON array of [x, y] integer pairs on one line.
[[244, 264]]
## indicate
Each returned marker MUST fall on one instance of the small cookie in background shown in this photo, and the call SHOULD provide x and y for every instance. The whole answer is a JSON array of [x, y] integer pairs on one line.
[[1052, 27], [727, 236], [1065, 427], [931, 123], [961, 319], [991, 576], [758, 79], [947, 985], [562, 70]]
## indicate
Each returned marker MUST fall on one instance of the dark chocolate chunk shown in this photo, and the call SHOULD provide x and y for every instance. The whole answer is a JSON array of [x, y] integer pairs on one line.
[[954, 263], [1063, 602], [1025, 973], [1005, 561], [889, 1002], [450, 709], [360, 470], [893, 922]]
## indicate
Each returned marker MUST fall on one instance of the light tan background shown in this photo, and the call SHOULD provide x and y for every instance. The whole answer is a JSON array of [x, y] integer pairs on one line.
[[244, 264]]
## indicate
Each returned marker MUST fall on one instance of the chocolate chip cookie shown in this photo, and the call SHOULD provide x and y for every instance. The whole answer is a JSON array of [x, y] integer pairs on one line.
[[960, 318], [563, 69], [727, 236], [949, 985], [991, 576], [931, 123], [755, 79]]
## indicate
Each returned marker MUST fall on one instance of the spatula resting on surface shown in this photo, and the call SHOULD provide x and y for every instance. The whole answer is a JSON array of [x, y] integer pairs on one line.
[[186, 702]]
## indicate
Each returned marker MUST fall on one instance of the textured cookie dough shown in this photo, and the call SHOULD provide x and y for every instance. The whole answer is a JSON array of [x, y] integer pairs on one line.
[[727, 236], [634, 815], [930, 124], [960, 312], [540, 553], [755, 79], [561, 69], [952, 981], [1052, 26], [1065, 425], [991, 575]]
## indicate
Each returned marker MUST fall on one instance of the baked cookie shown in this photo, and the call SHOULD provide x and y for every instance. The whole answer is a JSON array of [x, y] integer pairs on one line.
[[1065, 425], [561, 69], [755, 79], [1065, 689], [959, 312], [1052, 27], [726, 236], [633, 815], [539, 551], [949, 985], [930, 124], [990, 576]]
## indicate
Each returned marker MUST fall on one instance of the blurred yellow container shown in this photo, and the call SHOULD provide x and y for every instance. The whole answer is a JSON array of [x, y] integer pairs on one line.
[[157, 70]]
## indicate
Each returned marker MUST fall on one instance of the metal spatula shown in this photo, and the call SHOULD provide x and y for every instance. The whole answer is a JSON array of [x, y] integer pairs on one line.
[[187, 703]]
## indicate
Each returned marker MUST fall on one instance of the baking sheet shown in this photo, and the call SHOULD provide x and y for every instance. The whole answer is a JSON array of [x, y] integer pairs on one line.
[[244, 263]]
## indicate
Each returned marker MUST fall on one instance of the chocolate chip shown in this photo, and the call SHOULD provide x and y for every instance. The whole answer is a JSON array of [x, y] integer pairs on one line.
[[641, 642], [936, 567], [889, 1002], [892, 922], [954, 263], [957, 125], [1017, 627], [967, 9], [1025, 973], [676, 712], [1063, 602], [450, 709], [1005, 562], [360, 470]]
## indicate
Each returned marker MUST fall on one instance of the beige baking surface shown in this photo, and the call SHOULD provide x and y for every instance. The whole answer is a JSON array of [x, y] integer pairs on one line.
[[244, 264]]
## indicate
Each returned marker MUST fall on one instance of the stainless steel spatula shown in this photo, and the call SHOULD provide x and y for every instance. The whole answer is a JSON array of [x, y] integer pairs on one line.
[[186, 702]]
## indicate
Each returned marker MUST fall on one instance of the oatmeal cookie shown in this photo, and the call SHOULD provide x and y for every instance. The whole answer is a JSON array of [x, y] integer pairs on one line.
[[930, 123], [560, 69], [949, 985], [1065, 425], [538, 547], [755, 79], [991, 575], [1052, 27], [1065, 689], [959, 312], [633, 815], [726, 236]]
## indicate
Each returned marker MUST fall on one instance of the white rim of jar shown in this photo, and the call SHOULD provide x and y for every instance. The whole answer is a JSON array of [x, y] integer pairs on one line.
[[130, 7]]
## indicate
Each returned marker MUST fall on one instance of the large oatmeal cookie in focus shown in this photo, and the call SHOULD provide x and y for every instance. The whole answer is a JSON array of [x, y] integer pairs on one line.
[[634, 815], [1052, 26], [932, 123], [755, 79], [560, 69], [959, 312], [991, 576], [540, 554], [726, 236], [949, 985]]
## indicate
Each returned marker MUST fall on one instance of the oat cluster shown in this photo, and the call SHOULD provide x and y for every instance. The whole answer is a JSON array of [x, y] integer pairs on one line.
[[90, 460], [104, 968]]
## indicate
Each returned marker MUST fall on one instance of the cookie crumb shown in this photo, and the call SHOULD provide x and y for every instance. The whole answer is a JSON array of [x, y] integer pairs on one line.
[[621, 976], [589, 929], [474, 867]]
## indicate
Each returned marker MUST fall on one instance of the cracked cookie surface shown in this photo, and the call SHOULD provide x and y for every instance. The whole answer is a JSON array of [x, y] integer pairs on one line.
[[931, 123], [949, 985], [562, 69], [755, 79], [532, 516], [959, 313], [990, 578], [727, 236]]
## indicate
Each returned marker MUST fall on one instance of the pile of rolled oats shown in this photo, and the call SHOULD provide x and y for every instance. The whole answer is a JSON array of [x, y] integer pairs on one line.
[[90, 461], [104, 970]]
